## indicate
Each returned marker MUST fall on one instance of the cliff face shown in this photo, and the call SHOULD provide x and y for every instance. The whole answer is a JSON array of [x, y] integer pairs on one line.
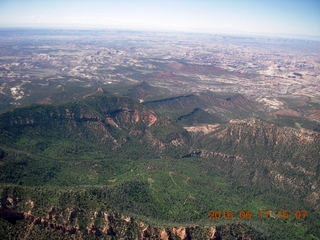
[[115, 226], [254, 152], [101, 224], [106, 121]]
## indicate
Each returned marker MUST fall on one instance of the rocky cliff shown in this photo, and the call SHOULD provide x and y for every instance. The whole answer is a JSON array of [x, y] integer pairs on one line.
[[254, 152], [57, 222]]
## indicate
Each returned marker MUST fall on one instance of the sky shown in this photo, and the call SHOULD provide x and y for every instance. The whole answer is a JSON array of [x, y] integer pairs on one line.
[[275, 17]]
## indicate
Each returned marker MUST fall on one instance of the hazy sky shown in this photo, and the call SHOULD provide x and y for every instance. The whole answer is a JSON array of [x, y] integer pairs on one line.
[[301, 17]]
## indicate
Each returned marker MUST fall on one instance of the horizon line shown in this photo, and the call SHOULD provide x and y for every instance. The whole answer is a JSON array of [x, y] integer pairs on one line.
[[141, 29]]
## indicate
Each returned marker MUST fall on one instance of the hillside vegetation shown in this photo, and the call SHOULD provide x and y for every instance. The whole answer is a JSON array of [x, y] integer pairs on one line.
[[109, 167]]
